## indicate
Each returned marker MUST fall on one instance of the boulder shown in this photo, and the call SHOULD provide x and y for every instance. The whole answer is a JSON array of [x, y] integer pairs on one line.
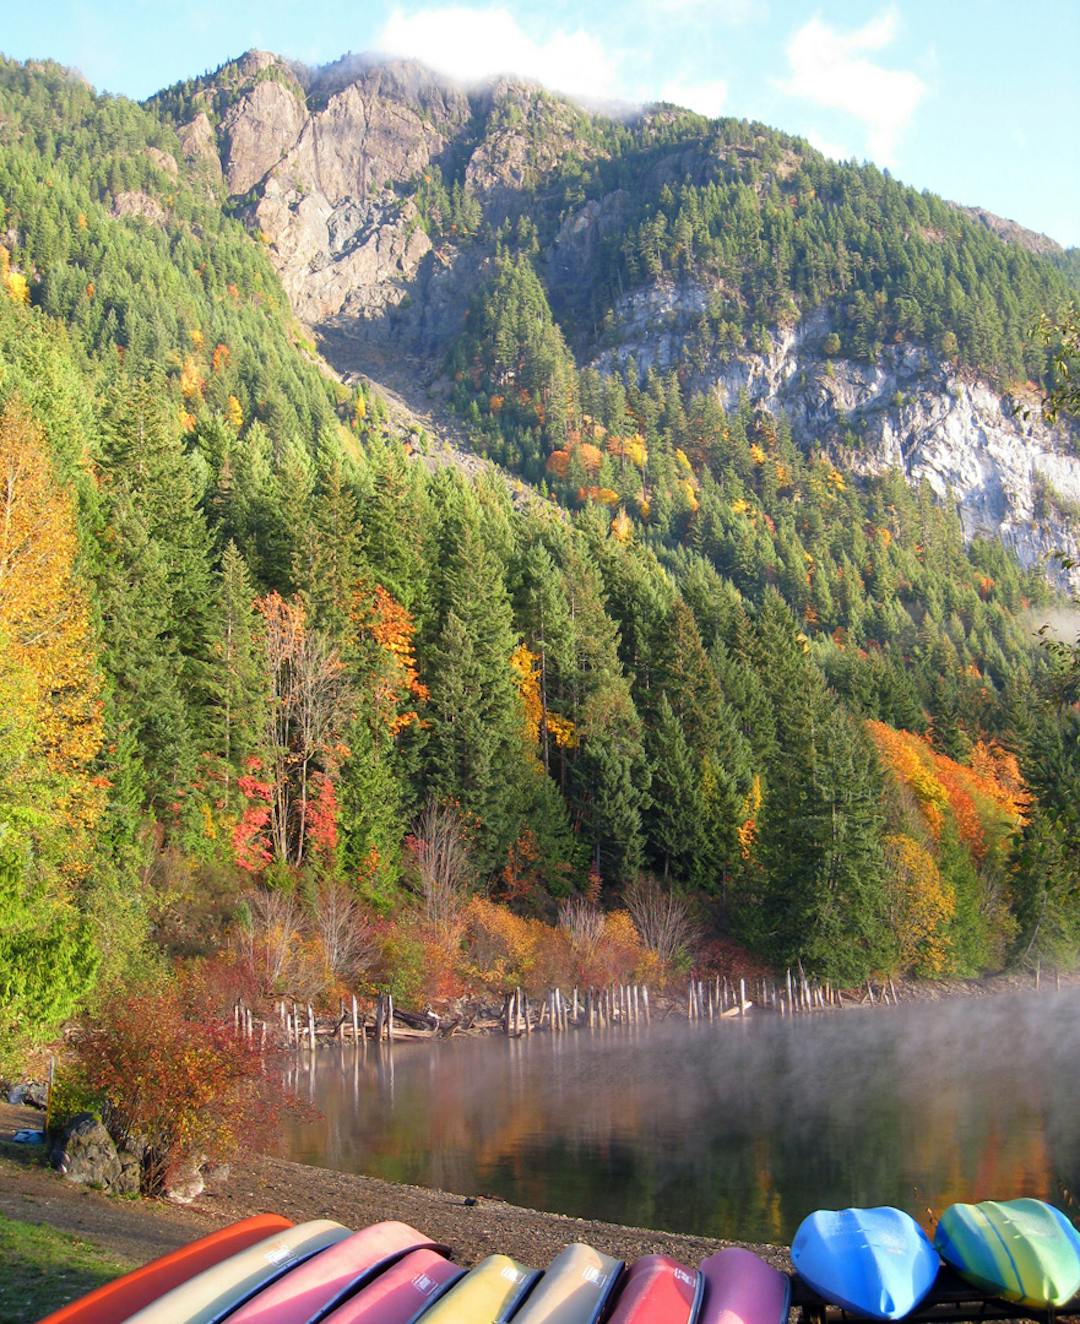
[[187, 1183], [29, 1094], [84, 1152]]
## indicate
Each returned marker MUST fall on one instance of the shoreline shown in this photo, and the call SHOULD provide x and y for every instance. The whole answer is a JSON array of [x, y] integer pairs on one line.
[[139, 1230], [474, 1017]]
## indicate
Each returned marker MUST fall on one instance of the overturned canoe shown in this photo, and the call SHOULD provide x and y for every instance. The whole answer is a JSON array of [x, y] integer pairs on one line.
[[658, 1290], [740, 1288], [575, 1289], [400, 1294], [1022, 1250], [117, 1301], [875, 1262], [327, 1279], [216, 1292], [488, 1294]]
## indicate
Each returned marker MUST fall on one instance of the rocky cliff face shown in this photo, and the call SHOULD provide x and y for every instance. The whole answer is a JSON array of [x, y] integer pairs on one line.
[[317, 158], [1010, 475], [321, 162]]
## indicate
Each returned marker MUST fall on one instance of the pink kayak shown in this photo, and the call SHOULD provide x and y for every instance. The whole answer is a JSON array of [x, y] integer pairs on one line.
[[740, 1288], [325, 1281], [402, 1293], [658, 1290]]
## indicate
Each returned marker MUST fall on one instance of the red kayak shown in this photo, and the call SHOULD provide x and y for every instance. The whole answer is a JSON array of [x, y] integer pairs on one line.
[[315, 1287], [402, 1293], [658, 1290], [740, 1288], [119, 1300]]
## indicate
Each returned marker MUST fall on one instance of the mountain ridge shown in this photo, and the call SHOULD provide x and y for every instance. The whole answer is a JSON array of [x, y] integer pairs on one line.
[[342, 191]]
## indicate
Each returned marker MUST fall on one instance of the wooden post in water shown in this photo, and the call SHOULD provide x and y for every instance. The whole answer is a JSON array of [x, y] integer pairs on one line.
[[789, 1002], [742, 997], [355, 1021], [311, 1025]]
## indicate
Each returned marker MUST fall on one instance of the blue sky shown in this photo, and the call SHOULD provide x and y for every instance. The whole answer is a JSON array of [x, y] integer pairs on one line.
[[978, 100]]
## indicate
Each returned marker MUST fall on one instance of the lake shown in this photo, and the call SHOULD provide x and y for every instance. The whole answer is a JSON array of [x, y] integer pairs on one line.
[[734, 1129]]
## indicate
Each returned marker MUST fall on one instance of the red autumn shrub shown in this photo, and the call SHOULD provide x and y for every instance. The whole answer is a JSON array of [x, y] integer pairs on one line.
[[175, 1082]]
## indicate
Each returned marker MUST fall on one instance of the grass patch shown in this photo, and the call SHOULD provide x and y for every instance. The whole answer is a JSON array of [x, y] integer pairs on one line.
[[41, 1269]]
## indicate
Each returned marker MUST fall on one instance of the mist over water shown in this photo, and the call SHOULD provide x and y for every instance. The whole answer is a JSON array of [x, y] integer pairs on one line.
[[734, 1129]]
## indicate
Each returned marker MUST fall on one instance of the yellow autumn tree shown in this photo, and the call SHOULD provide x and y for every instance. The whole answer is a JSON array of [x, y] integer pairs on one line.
[[234, 413], [921, 904], [46, 634]]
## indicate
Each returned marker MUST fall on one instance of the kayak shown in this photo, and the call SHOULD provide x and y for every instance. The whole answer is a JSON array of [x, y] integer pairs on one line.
[[740, 1288], [214, 1293], [324, 1281], [1023, 1250], [114, 1302], [658, 1290], [488, 1294], [402, 1293], [576, 1288], [875, 1262]]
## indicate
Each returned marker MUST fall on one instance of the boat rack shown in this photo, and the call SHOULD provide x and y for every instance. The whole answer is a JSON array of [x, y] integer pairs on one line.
[[952, 1300]]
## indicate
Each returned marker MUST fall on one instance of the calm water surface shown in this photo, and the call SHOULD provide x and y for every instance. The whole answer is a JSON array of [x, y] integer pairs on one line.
[[737, 1129]]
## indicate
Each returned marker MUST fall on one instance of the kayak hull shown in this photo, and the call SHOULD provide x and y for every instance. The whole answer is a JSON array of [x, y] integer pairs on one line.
[[575, 1289], [488, 1293], [740, 1288], [327, 1279], [114, 1302], [658, 1290], [875, 1262], [1024, 1251], [402, 1293], [214, 1293]]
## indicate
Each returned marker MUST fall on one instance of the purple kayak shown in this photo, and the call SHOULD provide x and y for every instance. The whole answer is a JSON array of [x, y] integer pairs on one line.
[[740, 1288]]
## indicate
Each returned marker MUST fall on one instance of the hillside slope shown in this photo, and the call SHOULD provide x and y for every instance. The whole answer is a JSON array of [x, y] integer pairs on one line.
[[723, 251]]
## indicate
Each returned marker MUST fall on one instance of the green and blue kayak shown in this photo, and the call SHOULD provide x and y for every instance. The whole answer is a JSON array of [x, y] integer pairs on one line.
[[1021, 1250]]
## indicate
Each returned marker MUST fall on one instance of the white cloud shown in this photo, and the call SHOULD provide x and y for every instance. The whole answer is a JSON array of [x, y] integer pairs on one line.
[[707, 98], [828, 148], [830, 68], [472, 43], [732, 12]]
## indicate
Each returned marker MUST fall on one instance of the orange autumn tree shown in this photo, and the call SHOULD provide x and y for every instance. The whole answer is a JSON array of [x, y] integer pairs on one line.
[[394, 681], [47, 645]]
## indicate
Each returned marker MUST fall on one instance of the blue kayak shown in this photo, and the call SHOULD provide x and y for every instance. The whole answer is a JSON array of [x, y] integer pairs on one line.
[[875, 1262]]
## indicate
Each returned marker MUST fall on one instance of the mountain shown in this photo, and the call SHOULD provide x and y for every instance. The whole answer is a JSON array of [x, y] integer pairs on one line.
[[724, 251], [654, 603]]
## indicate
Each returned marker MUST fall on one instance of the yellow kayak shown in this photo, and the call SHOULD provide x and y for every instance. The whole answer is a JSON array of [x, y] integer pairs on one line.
[[576, 1288], [216, 1292], [488, 1294]]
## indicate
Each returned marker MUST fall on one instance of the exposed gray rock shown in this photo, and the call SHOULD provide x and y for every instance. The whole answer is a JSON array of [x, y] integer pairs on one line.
[[258, 131], [29, 1093], [1012, 232], [163, 160], [85, 1153], [198, 143], [187, 1183], [991, 454], [133, 203]]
